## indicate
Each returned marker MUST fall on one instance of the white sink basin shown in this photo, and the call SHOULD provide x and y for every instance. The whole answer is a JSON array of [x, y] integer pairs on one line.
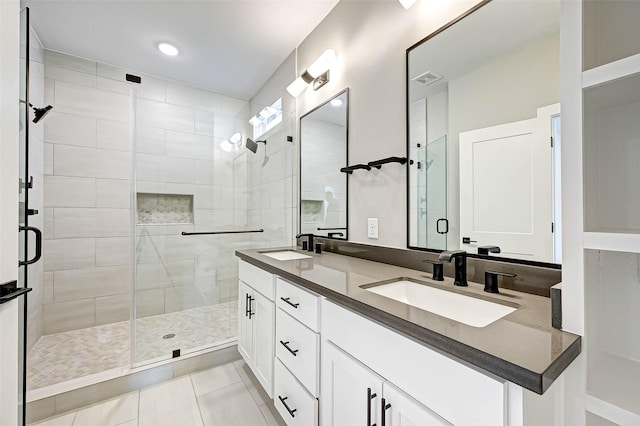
[[285, 255], [465, 309]]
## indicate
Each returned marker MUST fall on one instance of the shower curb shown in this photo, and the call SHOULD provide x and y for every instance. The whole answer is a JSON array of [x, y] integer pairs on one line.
[[135, 379]]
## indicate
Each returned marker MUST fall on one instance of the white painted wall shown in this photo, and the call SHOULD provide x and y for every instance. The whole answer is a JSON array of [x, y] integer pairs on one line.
[[370, 39], [9, 96]]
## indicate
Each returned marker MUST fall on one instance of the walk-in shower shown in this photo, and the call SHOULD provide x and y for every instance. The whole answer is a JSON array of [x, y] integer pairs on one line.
[[142, 211]]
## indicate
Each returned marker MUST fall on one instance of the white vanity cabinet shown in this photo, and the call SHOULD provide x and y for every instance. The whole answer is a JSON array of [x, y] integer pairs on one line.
[[297, 341], [353, 394], [256, 322], [447, 390]]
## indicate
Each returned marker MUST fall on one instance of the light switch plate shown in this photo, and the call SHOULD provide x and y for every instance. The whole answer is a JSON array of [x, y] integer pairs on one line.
[[372, 227]]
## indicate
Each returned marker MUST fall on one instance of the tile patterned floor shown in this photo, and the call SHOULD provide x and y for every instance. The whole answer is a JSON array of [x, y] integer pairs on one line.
[[60, 357], [228, 395]]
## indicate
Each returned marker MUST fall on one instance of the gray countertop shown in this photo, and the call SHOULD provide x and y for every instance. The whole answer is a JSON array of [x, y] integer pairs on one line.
[[521, 347]]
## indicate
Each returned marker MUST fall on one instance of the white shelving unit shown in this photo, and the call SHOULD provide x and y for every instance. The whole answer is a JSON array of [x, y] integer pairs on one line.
[[602, 269]]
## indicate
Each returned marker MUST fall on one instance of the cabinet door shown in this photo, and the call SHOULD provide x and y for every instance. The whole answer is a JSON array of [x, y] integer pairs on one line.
[[262, 313], [245, 327], [406, 411], [350, 392]]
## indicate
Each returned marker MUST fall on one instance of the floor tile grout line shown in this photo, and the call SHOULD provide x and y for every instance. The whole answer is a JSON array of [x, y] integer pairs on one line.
[[196, 397]]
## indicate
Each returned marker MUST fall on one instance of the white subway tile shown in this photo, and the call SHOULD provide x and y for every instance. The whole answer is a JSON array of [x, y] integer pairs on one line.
[[77, 284], [165, 116], [150, 140], [70, 129], [180, 170], [204, 197], [91, 162], [113, 251], [65, 316], [114, 193], [83, 222], [192, 97], [204, 123], [69, 62], [149, 302], [48, 159], [114, 135], [150, 168], [114, 86], [92, 102], [188, 145], [69, 76], [48, 224], [204, 172], [69, 253], [232, 106], [150, 88], [63, 191], [110, 309], [47, 290]]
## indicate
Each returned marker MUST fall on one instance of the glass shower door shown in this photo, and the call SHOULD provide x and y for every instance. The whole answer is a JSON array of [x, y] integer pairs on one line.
[[187, 189]]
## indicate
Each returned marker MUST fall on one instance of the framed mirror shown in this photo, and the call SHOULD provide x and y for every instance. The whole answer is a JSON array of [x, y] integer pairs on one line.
[[323, 152], [483, 121]]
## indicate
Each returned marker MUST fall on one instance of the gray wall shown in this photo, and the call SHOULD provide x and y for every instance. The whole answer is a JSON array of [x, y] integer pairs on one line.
[[370, 39]]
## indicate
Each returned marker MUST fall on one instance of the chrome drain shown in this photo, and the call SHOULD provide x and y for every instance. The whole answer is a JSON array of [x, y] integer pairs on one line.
[[169, 336]]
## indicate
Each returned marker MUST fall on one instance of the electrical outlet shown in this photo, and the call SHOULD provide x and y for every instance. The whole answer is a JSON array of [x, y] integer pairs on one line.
[[372, 227]]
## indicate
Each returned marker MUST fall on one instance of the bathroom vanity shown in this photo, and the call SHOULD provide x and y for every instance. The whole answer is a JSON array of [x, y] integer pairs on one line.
[[331, 349]]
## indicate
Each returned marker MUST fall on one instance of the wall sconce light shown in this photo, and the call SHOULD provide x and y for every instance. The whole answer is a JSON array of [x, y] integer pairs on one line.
[[407, 3], [317, 73]]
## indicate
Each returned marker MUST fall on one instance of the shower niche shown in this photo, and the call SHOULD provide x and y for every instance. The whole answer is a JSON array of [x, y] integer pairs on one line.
[[163, 209]]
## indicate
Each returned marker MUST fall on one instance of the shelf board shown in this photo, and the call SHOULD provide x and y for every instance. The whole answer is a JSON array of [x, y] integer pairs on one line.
[[611, 71], [612, 241], [613, 386]]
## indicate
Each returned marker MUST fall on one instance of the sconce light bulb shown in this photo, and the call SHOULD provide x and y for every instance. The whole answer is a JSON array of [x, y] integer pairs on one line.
[[297, 87], [323, 63], [254, 120]]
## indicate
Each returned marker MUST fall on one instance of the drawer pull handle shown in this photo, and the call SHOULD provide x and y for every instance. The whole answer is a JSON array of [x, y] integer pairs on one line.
[[370, 396], [288, 301], [286, 406], [286, 345], [385, 407], [251, 299], [246, 305]]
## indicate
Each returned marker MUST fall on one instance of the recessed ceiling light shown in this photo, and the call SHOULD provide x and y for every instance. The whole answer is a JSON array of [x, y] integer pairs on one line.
[[336, 102], [168, 49]]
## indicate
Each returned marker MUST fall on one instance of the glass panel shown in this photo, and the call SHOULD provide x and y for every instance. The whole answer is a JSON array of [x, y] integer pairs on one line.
[[434, 176], [23, 203], [191, 179]]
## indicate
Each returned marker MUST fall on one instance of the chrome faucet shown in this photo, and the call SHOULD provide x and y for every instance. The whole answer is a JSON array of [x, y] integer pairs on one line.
[[460, 265], [309, 240]]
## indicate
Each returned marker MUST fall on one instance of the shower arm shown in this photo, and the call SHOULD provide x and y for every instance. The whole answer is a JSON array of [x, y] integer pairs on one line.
[[222, 232]]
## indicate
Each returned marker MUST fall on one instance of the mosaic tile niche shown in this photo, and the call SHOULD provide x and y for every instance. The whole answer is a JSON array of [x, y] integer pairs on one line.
[[164, 208]]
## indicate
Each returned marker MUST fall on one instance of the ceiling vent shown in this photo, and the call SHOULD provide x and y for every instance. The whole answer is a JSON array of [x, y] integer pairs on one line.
[[427, 78]]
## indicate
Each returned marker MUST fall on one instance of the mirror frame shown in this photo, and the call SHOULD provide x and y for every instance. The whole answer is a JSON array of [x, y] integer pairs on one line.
[[407, 119], [346, 177]]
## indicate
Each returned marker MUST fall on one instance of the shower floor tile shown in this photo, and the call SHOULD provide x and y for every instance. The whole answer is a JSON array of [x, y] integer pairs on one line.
[[61, 357]]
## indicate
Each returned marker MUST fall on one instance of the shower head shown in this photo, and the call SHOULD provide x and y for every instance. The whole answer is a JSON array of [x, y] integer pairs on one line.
[[253, 146], [40, 112]]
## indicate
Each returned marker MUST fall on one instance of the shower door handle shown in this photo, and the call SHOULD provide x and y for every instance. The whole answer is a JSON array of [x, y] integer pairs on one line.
[[38, 254]]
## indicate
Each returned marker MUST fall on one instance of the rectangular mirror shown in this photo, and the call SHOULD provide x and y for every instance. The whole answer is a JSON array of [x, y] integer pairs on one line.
[[323, 151], [483, 112]]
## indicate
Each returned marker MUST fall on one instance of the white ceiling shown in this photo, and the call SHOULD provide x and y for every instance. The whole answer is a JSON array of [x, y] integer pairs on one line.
[[227, 46]]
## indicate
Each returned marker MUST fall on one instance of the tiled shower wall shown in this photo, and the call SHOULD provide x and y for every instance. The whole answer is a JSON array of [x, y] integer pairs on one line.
[[88, 163]]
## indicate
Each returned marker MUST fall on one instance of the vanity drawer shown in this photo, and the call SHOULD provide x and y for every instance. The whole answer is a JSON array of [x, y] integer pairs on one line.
[[290, 395], [259, 279], [299, 303], [298, 347]]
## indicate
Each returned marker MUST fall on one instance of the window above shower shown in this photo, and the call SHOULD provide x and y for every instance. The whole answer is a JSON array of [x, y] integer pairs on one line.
[[268, 118]]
